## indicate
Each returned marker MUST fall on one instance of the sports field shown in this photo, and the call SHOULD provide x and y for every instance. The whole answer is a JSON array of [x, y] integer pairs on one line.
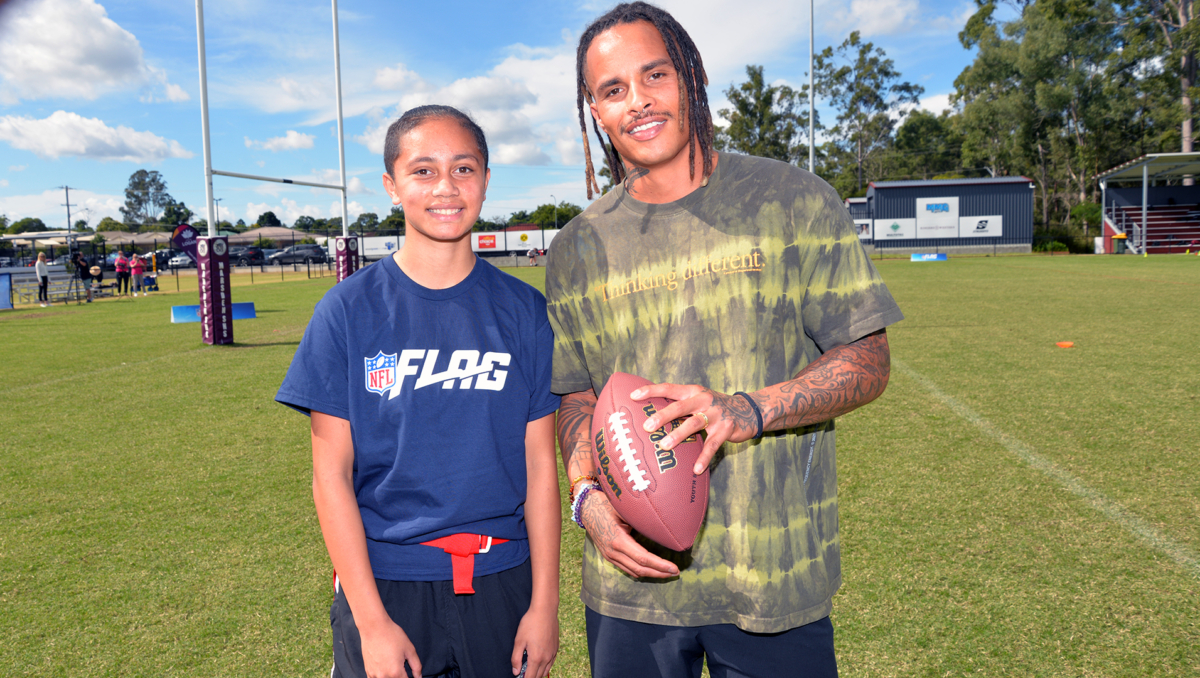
[[1008, 507]]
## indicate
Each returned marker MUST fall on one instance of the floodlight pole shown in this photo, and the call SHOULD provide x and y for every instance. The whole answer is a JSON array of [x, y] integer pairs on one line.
[[337, 74], [812, 92], [208, 183]]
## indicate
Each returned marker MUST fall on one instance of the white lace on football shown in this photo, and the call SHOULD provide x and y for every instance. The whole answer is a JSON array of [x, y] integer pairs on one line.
[[620, 431]]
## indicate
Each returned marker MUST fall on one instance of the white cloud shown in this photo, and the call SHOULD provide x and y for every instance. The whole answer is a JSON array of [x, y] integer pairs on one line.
[[936, 103], [16, 168], [895, 17], [3, 183], [291, 141], [505, 107], [70, 134], [71, 49]]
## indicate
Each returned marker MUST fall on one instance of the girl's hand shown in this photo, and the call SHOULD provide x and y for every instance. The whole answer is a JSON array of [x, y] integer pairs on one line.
[[537, 643]]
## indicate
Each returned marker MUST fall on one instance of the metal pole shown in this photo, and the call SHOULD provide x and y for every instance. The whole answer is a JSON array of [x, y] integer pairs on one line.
[[1145, 198], [812, 92], [555, 220], [337, 73], [208, 185]]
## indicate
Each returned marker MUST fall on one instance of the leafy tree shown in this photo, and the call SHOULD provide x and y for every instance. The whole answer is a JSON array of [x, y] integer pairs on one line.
[[367, 221], [145, 197], [109, 224], [1060, 94], [264, 243], [394, 222], [267, 219], [926, 145], [27, 225], [176, 213], [766, 120], [82, 225], [865, 89], [240, 225], [547, 215], [304, 223], [519, 217], [307, 240], [3, 223], [608, 180]]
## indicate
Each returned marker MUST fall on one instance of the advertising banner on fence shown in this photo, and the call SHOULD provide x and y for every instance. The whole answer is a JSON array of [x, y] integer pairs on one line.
[[937, 217], [895, 229], [216, 302], [991, 226], [6, 291], [345, 256], [863, 227], [485, 243]]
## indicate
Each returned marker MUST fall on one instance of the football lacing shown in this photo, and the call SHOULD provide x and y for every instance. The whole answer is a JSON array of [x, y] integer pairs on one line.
[[620, 431]]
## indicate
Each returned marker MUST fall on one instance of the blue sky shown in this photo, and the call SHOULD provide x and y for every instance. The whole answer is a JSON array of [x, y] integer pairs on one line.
[[92, 91]]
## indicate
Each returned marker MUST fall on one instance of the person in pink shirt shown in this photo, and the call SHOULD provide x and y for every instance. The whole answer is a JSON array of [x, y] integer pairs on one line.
[[138, 266], [122, 266]]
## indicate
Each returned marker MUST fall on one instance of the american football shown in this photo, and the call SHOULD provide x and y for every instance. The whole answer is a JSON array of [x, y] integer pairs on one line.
[[652, 489]]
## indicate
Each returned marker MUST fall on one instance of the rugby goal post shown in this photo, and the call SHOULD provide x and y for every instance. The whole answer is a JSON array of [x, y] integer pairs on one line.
[[213, 268]]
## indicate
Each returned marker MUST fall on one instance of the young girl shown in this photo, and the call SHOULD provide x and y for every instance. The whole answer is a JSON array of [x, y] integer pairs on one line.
[[43, 277], [427, 377]]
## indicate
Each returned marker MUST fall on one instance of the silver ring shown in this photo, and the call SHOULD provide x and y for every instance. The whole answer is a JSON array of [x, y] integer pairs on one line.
[[705, 419]]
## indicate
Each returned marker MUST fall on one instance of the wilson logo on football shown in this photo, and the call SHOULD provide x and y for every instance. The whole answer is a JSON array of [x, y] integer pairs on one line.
[[466, 369]]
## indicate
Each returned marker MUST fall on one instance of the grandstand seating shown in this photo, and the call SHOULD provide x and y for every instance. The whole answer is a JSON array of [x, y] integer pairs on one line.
[[1169, 228]]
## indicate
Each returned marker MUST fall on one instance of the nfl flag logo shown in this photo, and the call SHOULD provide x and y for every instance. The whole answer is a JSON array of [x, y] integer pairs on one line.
[[381, 372]]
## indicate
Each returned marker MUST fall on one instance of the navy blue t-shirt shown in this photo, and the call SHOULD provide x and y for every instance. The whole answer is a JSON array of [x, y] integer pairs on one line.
[[438, 386]]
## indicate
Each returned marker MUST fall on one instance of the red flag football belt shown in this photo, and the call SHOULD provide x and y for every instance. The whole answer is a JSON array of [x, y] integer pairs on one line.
[[462, 549]]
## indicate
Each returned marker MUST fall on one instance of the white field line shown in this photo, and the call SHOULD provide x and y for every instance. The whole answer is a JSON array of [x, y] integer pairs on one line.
[[1132, 523]]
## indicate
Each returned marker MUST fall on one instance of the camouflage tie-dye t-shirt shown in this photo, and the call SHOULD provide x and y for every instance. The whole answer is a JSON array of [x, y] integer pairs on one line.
[[737, 286]]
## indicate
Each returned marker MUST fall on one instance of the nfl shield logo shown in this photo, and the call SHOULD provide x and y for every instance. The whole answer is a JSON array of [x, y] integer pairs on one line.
[[381, 372]]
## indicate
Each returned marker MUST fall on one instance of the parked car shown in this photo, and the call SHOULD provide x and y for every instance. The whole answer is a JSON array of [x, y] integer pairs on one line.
[[299, 254], [246, 256], [181, 261]]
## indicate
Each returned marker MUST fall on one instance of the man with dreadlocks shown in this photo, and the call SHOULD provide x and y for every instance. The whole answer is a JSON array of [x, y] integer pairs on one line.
[[738, 286]]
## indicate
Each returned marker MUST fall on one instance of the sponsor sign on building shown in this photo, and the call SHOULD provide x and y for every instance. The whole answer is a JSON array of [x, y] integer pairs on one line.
[[216, 302], [863, 226], [486, 242], [895, 229], [345, 256], [981, 227], [937, 217]]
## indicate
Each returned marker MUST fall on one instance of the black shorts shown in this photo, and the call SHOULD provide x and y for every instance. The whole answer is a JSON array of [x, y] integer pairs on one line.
[[622, 648], [468, 636]]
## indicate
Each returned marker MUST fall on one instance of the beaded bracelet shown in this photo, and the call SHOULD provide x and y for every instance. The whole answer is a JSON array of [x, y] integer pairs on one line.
[[577, 505], [757, 412], [576, 482]]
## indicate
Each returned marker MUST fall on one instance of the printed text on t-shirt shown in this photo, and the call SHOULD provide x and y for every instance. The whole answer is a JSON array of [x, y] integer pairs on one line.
[[386, 372], [751, 262]]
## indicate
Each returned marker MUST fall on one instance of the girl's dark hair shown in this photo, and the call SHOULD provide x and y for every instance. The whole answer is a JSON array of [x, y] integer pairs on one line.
[[415, 117], [692, 79]]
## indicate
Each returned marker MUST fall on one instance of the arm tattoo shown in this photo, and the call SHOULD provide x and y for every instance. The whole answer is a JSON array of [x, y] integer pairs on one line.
[[574, 425], [840, 381]]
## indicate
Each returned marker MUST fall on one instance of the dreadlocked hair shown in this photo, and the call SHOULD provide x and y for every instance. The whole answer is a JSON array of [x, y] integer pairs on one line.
[[692, 79]]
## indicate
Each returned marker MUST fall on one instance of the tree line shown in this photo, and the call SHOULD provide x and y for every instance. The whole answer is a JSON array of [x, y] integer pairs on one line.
[[1063, 91], [149, 207]]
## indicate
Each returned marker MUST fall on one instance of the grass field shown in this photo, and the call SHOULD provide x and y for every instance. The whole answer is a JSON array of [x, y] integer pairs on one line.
[[1008, 507]]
